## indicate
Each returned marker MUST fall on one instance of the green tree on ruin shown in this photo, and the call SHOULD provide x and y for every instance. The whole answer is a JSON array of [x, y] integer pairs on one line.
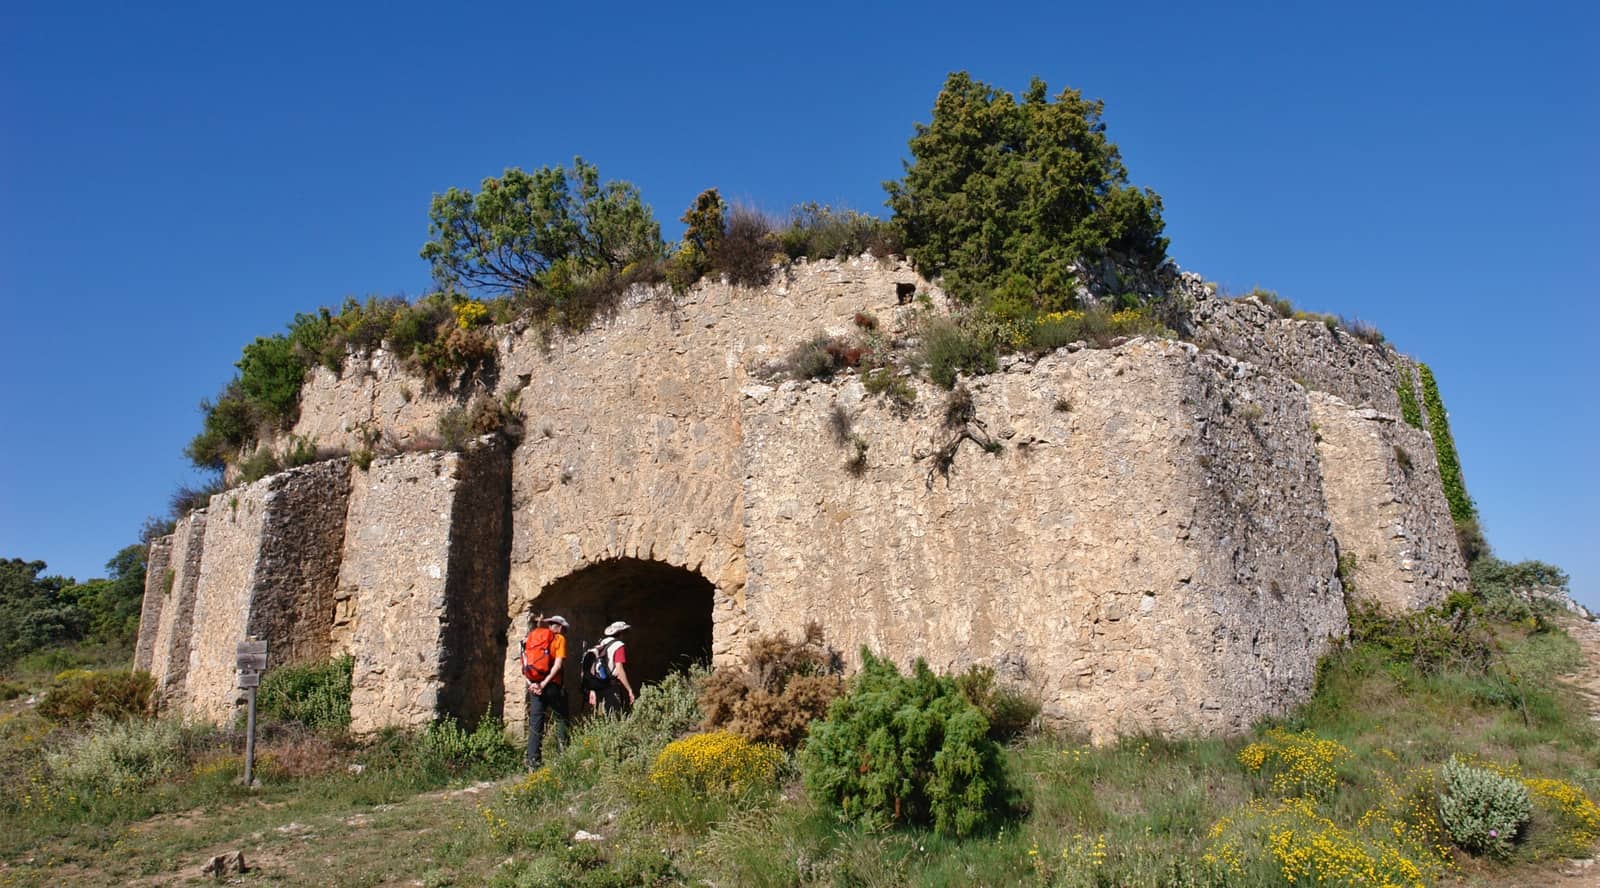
[[1027, 196], [520, 229]]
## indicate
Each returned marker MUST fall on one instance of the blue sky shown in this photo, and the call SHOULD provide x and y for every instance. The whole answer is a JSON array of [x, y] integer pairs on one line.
[[176, 180]]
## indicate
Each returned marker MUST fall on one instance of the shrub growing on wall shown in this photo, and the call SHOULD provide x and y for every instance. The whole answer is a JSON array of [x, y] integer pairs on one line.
[[998, 186], [908, 749]]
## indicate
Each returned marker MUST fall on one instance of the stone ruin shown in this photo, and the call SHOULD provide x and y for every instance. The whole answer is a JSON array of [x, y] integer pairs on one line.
[[1146, 537]]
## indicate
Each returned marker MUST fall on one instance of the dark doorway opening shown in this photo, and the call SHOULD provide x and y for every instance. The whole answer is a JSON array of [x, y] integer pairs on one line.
[[668, 607]]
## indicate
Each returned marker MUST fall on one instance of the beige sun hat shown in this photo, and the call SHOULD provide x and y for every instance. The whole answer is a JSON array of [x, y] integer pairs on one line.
[[557, 619], [616, 627]]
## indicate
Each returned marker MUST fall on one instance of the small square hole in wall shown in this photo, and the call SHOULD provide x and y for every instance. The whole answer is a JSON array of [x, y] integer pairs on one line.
[[903, 293]]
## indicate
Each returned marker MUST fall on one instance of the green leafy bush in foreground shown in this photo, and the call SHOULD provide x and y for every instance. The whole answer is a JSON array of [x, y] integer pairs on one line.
[[486, 751], [908, 749], [1483, 810]]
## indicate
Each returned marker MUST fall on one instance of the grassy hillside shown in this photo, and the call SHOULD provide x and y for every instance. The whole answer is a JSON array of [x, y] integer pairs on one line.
[[1345, 791]]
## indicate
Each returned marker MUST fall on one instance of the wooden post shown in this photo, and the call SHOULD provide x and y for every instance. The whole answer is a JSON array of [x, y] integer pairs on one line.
[[252, 661]]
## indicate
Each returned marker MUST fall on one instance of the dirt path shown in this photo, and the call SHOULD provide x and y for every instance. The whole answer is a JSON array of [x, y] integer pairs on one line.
[[1587, 679], [1587, 683]]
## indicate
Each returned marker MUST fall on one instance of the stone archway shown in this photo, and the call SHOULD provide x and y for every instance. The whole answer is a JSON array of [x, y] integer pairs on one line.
[[669, 608]]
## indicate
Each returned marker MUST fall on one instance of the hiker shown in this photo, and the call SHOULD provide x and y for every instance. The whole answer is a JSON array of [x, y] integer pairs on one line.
[[543, 654], [606, 671]]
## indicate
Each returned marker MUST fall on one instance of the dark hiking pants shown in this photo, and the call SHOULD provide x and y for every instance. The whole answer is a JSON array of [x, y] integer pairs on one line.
[[554, 702]]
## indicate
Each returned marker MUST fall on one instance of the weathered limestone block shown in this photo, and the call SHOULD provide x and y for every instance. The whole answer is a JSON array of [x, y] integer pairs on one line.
[[157, 587], [632, 444], [423, 581], [1305, 351], [269, 571], [174, 634], [1387, 506], [373, 402], [1146, 549]]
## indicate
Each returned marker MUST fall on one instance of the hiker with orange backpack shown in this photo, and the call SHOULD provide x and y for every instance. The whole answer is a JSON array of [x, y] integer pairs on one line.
[[544, 652]]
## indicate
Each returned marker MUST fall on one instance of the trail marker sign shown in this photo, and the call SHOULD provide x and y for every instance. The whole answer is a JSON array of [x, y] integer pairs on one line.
[[251, 660]]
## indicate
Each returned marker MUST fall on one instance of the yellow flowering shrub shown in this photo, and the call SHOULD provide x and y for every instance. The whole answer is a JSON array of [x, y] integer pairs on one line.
[[539, 785], [1307, 848], [1298, 763], [470, 313], [715, 763], [1579, 816]]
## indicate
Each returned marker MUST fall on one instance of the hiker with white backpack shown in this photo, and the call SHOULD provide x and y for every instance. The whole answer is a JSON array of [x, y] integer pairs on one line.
[[605, 671]]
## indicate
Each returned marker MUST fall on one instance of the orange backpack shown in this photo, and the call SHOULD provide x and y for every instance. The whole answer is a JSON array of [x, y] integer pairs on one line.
[[536, 660]]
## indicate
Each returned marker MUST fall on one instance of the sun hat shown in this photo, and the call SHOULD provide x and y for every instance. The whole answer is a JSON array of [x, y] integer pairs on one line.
[[616, 627], [557, 619]]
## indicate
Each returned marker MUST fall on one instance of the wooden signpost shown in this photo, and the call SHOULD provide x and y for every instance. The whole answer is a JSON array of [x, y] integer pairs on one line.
[[252, 661]]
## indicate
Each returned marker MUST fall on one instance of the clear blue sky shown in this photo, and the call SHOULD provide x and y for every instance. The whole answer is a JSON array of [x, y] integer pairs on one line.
[[175, 181]]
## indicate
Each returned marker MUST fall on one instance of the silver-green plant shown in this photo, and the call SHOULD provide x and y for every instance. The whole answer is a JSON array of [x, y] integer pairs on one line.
[[115, 757], [1483, 811]]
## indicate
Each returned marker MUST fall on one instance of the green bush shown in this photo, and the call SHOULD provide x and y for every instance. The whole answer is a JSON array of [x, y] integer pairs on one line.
[[229, 424], [80, 696], [888, 382], [622, 747], [485, 752], [315, 695], [1095, 327], [817, 231], [1516, 591], [115, 757], [1000, 185], [1447, 636], [950, 347], [522, 226], [258, 465], [271, 372], [1483, 811], [908, 750]]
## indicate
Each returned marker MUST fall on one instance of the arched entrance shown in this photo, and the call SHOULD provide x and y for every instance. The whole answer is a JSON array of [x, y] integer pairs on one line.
[[668, 607]]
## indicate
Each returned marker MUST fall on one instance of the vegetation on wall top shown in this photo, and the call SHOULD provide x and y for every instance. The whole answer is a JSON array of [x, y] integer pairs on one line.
[[1027, 196]]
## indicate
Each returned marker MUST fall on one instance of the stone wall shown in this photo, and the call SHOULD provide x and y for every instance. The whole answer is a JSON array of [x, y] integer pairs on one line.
[[1151, 545], [423, 583], [1387, 506], [1305, 351], [1146, 549], [174, 633], [270, 570], [633, 431], [157, 587]]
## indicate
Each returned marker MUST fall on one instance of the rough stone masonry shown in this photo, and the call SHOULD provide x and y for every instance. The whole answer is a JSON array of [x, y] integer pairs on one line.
[[1147, 537]]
